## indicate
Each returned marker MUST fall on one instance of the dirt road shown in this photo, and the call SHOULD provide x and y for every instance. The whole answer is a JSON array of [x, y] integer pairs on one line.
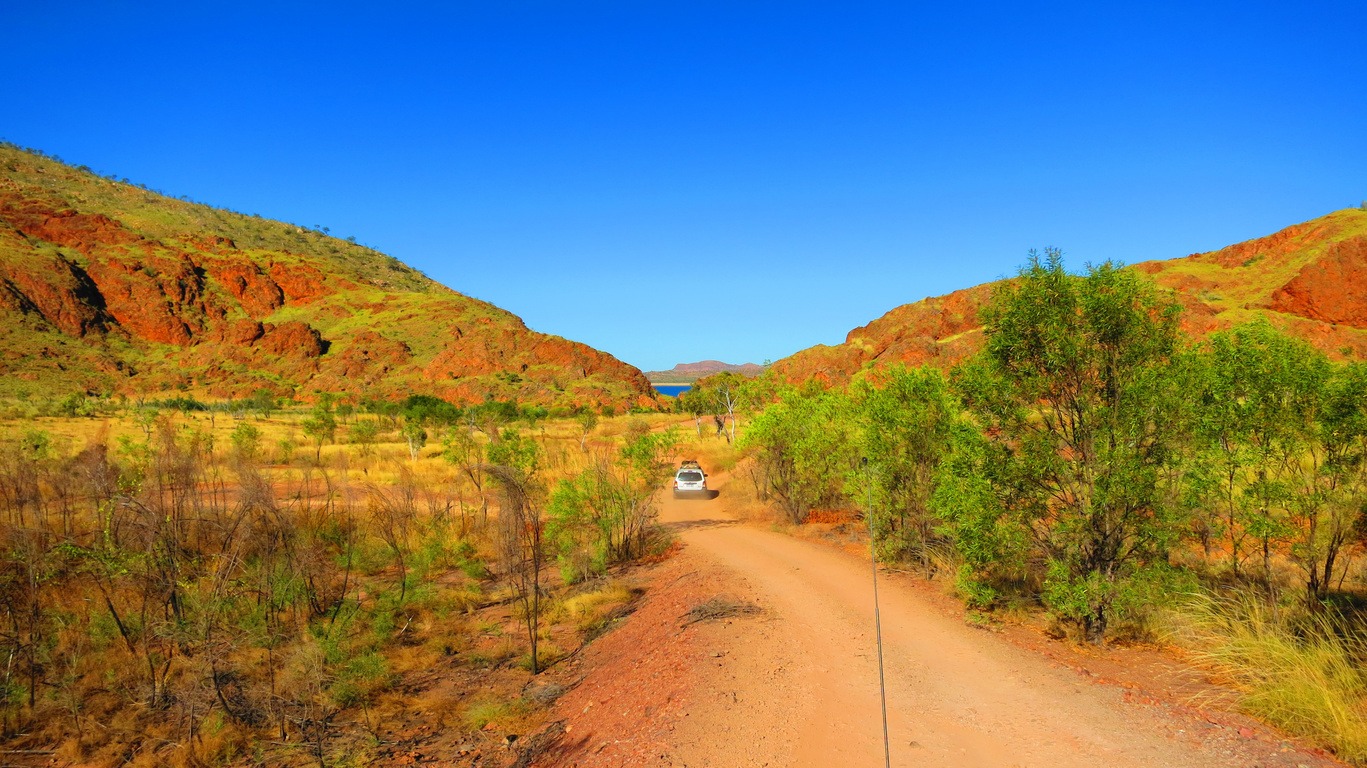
[[797, 683]]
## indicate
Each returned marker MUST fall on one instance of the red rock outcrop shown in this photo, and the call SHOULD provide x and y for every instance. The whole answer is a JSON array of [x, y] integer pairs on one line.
[[292, 339], [60, 292], [211, 244], [136, 299], [1309, 280], [84, 232], [299, 282], [243, 333], [1333, 288], [254, 290], [370, 354], [938, 331], [1277, 245]]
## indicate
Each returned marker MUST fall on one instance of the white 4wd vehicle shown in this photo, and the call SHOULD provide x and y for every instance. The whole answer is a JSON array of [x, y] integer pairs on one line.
[[690, 479]]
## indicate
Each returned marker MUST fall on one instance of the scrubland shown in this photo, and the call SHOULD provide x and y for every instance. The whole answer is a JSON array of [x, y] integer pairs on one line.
[[254, 582]]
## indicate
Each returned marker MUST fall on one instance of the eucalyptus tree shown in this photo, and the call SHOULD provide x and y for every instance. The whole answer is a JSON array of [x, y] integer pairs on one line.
[[804, 446], [321, 424], [1075, 411], [587, 420], [902, 419], [1330, 479], [722, 395], [1256, 405]]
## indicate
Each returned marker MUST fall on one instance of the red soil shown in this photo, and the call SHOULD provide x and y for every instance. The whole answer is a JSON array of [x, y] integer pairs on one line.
[[796, 685]]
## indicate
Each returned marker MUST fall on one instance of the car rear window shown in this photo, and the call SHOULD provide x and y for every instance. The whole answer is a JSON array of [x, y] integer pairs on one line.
[[690, 477]]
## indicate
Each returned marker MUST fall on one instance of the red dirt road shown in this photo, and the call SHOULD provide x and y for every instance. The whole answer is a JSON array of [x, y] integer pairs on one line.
[[797, 684]]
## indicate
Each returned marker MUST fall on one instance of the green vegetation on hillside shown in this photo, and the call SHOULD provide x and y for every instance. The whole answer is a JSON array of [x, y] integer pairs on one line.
[[106, 287], [159, 216], [1302, 280], [1246, 284]]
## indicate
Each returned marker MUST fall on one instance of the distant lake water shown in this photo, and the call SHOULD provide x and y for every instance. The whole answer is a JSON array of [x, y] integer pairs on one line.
[[673, 390]]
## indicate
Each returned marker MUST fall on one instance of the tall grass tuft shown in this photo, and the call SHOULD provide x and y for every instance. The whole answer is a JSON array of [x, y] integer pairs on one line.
[[1302, 674]]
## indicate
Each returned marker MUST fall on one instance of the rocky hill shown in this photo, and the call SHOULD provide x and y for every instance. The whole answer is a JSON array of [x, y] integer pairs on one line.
[[1309, 280], [687, 373], [109, 287]]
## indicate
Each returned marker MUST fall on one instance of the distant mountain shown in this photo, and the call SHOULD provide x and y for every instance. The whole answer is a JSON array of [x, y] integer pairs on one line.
[[106, 286], [1310, 280], [687, 373]]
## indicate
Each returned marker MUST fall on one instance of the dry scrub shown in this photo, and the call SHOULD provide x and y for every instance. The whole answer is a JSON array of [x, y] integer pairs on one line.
[[720, 607], [192, 588]]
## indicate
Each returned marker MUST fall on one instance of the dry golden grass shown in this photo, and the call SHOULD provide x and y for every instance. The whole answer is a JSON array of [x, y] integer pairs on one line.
[[589, 610], [411, 661], [1300, 673]]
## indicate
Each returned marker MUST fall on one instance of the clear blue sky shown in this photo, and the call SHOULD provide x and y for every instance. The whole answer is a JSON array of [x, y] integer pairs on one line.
[[674, 181]]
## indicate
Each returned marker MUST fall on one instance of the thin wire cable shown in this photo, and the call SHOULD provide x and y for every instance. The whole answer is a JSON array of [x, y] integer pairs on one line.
[[878, 628]]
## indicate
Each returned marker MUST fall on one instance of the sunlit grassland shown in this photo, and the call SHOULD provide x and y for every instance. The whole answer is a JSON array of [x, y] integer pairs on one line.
[[387, 605]]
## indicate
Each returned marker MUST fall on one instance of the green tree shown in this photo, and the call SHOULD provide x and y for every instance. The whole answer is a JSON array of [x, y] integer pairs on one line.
[[385, 409], [246, 440], [972, 498], [463, 449], [695, 402], [321, 425], [430, 411], [587, 421], [364, 433], [286, 447], [1282, 436], [1330, 477], [263, 402], [1255, 396], [722, 395], [75, 404], [491, 415], [415, 436], [804, 449], [903, 418], [1073, 394]]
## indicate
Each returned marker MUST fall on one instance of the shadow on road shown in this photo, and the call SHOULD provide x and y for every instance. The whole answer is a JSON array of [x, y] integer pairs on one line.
[[690, 525], [707, 495]]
